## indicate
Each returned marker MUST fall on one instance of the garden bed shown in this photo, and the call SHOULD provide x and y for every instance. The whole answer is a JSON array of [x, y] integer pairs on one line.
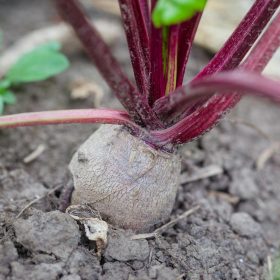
[[233, 235]]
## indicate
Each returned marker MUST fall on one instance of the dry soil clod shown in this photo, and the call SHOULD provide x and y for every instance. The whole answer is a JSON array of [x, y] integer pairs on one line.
[[37, 199]]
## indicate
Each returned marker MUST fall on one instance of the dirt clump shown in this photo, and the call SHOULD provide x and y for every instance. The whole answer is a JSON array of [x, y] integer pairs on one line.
[[50, 233]]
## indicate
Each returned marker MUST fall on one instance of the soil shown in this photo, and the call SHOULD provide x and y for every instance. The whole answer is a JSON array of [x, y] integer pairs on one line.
[[231, 236]]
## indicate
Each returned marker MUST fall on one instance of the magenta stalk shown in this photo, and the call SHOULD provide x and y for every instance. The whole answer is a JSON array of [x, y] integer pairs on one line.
[[66, 117]]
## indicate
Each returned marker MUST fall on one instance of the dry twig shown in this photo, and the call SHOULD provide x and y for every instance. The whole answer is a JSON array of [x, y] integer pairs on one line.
[[165, 226], [266, 154], [82, 89], [269, 265], [232, 199], [251, 125], [37, 199], [35, 154], [202, 173], [180, 277]]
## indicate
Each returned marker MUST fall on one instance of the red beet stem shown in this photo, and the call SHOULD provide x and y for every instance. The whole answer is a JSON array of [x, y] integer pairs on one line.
[[135, 103]]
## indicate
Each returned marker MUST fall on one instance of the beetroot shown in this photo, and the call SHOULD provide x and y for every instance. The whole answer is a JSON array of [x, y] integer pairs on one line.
[[129, 173], [131, 184]]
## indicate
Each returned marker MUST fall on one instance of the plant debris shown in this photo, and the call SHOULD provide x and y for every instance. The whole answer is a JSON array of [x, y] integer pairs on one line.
[[165, 226], [95, 228]]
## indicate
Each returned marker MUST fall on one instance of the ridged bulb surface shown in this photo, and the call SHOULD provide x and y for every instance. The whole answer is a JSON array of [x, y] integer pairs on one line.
[[132, 185]]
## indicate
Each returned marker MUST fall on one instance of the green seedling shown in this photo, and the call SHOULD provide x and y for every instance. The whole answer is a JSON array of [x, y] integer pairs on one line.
[[40, 64], [276, 269]]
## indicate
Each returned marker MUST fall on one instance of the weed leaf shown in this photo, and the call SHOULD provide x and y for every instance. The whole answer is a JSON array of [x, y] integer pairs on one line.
[[39, 64], [51, 46], [1, 105], [8, 97], [4, 84]]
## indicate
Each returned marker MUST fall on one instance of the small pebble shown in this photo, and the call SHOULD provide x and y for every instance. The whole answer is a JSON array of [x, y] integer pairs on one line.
[[244, 225]]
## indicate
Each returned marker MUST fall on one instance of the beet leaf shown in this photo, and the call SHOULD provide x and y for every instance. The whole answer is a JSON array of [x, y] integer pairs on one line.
[[171, 12]]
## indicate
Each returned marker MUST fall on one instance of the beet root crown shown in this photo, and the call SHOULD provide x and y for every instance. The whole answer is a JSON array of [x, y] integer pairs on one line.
[[159, 107]]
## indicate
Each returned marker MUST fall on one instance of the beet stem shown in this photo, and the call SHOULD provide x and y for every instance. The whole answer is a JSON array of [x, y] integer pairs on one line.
[[67, 117], [135, 103]]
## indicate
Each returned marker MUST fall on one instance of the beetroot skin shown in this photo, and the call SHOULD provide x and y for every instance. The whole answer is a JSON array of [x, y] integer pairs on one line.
[[131, 184]]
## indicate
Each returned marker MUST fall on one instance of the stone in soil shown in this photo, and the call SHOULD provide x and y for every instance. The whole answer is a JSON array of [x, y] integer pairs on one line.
[[18, 187], [243, 184], [244, 225]]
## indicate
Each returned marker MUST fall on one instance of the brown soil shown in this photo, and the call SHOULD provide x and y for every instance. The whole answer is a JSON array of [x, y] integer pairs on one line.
[[230, 237]]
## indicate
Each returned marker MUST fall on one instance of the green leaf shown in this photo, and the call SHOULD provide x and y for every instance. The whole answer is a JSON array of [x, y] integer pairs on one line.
[[1, 105], [169, 12], [276, 269], [8, 97], [4, 84], [52, 46], [39, 64]]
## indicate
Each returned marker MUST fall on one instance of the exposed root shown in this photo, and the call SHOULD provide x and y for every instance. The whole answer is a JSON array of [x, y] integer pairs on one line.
[[161, 229]]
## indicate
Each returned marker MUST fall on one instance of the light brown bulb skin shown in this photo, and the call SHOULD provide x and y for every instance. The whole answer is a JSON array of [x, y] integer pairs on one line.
[[132, 185]]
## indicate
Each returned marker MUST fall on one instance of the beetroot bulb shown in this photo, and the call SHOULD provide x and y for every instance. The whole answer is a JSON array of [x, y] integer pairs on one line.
[[130, 183]]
